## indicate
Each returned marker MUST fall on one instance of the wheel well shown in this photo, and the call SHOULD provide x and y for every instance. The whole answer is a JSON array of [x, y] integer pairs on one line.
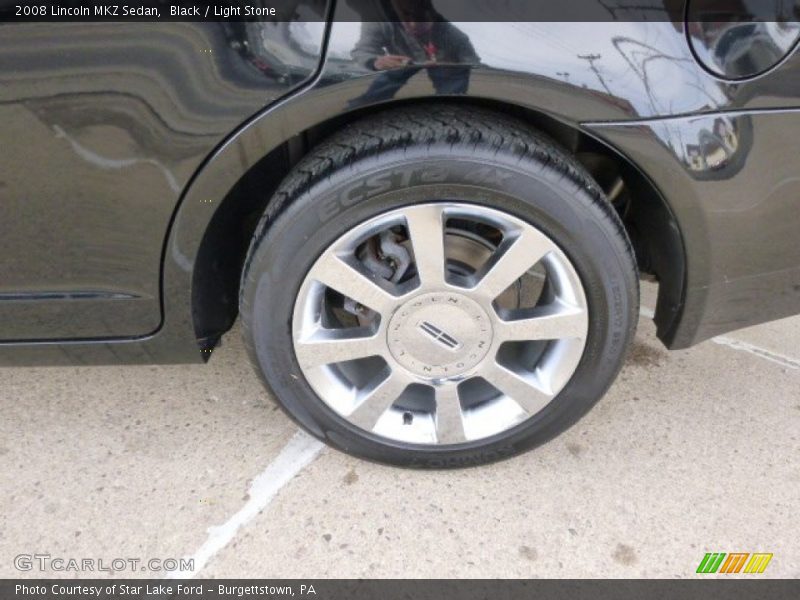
[[648, 219]]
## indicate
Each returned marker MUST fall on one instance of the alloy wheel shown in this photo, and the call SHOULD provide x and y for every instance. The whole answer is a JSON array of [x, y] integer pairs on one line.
[[440, 323]]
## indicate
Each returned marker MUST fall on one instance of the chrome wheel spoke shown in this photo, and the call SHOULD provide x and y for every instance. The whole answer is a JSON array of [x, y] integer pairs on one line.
[[337, 274], [375, 401], [333, 346], [426, 230], [554, 322], [458, 335], [522, 388], [511, 261], [449, 415]]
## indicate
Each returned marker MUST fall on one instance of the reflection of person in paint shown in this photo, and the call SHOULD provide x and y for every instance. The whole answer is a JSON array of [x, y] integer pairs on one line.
[[419, 39]]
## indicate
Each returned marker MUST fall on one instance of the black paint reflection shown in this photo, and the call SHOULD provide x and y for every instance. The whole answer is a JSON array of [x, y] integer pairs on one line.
[[710, 147], [414, 38], [104, 125], [737, 39]]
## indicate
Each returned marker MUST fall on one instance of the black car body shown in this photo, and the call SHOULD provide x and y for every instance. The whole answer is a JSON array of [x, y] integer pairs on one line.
[[137, 157]]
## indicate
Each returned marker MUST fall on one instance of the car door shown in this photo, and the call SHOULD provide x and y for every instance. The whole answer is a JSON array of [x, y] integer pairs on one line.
[[102, 127]]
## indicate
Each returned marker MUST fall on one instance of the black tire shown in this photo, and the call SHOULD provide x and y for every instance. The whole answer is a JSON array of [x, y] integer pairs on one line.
[[490, 158]]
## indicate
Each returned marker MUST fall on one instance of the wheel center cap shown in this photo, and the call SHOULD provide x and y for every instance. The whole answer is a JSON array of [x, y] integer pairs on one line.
[[439, 335]]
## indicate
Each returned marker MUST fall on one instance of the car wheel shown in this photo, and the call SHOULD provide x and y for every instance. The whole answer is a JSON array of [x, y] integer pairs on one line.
[[438, 286]]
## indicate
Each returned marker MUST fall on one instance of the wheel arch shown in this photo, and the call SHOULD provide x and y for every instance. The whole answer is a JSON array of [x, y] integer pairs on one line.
[[210, 235]]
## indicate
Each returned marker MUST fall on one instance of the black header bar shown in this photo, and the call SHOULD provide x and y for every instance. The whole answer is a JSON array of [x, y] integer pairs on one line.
[[32, 11]]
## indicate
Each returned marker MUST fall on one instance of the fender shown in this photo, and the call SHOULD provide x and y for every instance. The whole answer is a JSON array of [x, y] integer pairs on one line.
[[342, 91]]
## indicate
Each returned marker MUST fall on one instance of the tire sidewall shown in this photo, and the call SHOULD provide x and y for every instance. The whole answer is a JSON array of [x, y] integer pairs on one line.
[[561, 207]]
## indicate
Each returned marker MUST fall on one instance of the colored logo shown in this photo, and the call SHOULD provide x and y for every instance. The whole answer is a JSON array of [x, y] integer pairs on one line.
[[735, 562]]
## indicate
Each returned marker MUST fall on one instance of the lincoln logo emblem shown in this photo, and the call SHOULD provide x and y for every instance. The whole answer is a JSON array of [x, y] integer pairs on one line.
[[432, 331]]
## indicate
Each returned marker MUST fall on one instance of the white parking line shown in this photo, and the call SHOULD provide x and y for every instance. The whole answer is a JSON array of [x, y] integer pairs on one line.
[[301, 450], [786, 362]]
